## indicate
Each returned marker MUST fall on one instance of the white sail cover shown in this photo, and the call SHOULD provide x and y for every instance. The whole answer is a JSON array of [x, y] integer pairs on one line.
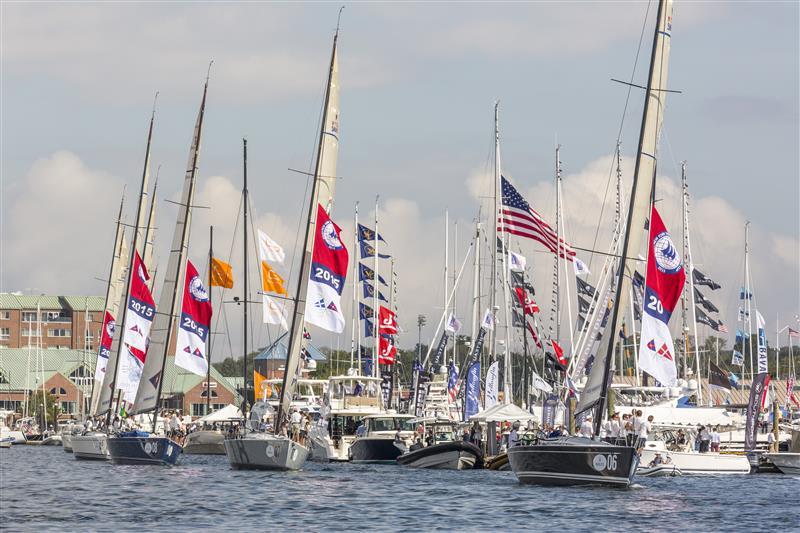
[[640, 198], [146, 395], [329, 152], [114, 292]]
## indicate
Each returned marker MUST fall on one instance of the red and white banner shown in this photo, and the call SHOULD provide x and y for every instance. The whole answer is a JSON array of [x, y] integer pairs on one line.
[[136, 333], [387, 321], [387, 351], [663, 287], [327, 276], [558, 353], [525, 301], [106, 337], [190, 350]]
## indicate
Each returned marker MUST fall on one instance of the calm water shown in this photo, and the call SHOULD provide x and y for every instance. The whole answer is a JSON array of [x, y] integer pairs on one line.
[[46, 488]]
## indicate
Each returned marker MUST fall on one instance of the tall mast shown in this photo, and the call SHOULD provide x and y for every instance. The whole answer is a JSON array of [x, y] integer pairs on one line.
[[322, 188], [746, 306], [508, 392], [355, 334], [445, 292], [557, 259], [595, 392], [688, 264], [375, 302], [105, 403], [455, 292], [246, 296], [151, 384], [210, 303], [150, 235]]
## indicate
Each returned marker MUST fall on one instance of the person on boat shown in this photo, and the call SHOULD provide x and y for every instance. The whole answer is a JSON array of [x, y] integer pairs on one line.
[[430, 440], [773, 448], [680, 438], [513, 436], [645, 427], [557, 432], [417, 445], [716, 439], [611, 428], [586, 428], [476, 434], [361, 430], [657, 460], [358, 389], [705, 439], [295, 421]]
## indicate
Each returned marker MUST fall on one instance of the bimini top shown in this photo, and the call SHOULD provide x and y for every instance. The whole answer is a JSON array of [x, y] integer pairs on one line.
[[501, 412]]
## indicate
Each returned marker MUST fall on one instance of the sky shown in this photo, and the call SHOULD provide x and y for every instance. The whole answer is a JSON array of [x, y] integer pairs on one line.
[[418, 86]]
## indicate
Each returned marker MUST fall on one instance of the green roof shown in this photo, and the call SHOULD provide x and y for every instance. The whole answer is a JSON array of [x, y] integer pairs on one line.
[[9, 301], [14, 367], [30, 301], [81, 303]]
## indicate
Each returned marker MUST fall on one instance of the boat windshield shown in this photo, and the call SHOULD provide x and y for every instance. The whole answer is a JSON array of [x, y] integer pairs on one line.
[[391, 424]]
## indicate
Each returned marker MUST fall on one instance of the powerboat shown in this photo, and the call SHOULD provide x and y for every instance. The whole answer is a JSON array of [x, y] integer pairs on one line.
[[92, 445], [689, 461], [573, 461], [788, 462], [444, 450], [659, 470], [385, 438], [210, 439], [51, 440], [348, 400]]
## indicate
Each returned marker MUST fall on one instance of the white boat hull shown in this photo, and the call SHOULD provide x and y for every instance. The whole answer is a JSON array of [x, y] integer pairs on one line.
[[17, 437], [66, 442], [5, 443], [788, 463], [265, 452], [452, 460], [205, 442], [694, 463], [52, 440], [93, 446], [322, 448]]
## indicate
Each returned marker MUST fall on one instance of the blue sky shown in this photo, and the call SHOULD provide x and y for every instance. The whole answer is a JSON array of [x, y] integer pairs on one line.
[[418, 84]]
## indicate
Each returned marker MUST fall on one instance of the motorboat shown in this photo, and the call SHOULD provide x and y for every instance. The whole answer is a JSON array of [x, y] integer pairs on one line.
[[51, 440], [659, 470], [92, 445], [265, 451], [444, 450], [142, 448], [6, 442], [384, 438], [788, 462], [348, 400], [573, 461], [689, 461], [210, 438]]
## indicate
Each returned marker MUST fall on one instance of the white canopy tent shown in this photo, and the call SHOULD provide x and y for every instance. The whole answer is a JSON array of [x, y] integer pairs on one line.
[[229, 412], [502, 413]]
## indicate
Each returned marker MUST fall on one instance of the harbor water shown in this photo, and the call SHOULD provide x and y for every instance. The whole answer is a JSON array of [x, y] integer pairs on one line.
[[44, 488]]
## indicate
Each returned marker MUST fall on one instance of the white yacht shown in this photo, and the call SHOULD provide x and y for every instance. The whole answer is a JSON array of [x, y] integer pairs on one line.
[[686, 459], [386, 436], [349, 399]]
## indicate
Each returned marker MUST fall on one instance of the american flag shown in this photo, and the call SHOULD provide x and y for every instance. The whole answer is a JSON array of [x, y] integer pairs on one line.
[[794, 334], [518, 218]]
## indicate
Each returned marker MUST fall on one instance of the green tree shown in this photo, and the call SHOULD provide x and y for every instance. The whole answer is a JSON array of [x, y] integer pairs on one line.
[[36, 408]]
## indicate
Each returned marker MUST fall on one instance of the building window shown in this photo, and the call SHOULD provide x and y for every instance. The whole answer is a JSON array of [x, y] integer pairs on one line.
[[30, 333], [81, 376], [58, 391], [61, 332], [5, 334], [68, 408], [5, 315], [11, 405], [29, 316], [56, 316], [204, 394]]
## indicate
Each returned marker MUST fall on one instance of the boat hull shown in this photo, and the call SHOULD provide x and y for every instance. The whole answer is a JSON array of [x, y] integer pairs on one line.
[[5, 443], [375, 450], [17, 437], [204, 442], [694, 463], [265, 452], [788, 463], [444, 456], [52, 440], [93, 447], [574, 461], [662, 470], [143, 451], [66, 442]]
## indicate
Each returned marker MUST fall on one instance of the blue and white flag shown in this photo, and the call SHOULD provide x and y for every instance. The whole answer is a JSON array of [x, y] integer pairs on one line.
[[369, 329], [367, 274], [369, 292], [516, 262], [367, 234], [492, 385], [365, 311], [453, 324], [762, 344], [473, 390], [367, 250], [738, 358], [487, 322]]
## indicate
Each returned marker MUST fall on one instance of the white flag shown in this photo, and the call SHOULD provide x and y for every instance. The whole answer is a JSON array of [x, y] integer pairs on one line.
[[488, 320], [269, 250], [274, 313], [541, 384], [516, 262], [580, 267], [492, 380], [453, 324]]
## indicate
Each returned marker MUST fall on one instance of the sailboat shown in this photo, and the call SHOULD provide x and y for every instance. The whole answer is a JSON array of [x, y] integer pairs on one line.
[[276, 451], [140, 447], [582, 460]]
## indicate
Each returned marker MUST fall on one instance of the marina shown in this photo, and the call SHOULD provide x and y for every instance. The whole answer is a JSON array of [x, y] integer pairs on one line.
[[549, 353]]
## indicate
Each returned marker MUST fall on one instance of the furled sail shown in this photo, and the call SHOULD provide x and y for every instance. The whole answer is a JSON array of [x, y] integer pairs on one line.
[[594, 391], [329, 144], [152, 373]]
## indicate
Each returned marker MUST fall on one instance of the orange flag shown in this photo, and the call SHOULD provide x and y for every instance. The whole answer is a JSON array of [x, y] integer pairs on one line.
[[271, 280], [221, 274]]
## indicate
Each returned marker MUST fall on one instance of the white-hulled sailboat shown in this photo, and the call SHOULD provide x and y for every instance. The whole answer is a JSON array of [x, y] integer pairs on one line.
[[141, 447], [580, 460], [276, 451]]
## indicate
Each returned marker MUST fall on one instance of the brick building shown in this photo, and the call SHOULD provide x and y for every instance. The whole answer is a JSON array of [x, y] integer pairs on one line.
[[69, 376], [61, 322]]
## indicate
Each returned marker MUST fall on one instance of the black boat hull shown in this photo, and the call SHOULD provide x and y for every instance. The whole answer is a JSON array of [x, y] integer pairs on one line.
[[574, 461], [143, 451], [375, 450], [456, 455]]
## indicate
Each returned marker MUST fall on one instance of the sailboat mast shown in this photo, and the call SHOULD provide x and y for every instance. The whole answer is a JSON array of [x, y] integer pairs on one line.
[[689, 266], [455, 293], [298, 318], [246, 296], [375, 303], [210, 303], [493, 221], [134, 247], [557, 259], [746, 307], [446, 259], [642, 191], [355, 334]]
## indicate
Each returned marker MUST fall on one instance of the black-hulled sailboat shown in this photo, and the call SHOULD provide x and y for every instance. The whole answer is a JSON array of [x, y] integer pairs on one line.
[[139, 447], [581, 460]]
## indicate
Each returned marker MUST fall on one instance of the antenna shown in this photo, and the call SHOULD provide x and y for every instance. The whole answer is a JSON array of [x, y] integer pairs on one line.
[[208, 72], [338, 19]]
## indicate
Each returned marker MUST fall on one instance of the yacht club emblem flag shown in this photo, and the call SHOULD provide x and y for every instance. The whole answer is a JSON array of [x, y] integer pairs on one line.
[[663, 287], [190, 350], [138, 319], [327, 276], [109, 325]]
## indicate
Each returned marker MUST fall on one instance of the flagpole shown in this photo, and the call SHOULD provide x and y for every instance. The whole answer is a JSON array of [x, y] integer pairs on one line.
[[355, 334], [375, 314], [689, 266], [493, 220], [446, 259], [747, 296], [455, 294], [210, 295]]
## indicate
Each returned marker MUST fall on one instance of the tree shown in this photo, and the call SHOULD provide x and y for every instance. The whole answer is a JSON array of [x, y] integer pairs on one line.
[[36, 408]]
